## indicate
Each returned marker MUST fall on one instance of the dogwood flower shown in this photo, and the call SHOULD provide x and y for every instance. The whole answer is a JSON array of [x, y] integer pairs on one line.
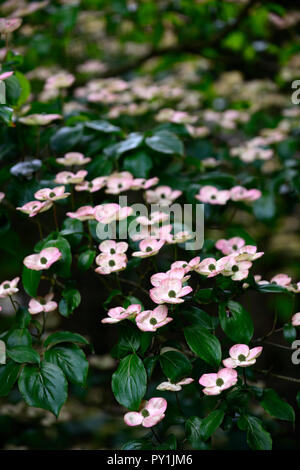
[[237, 270], [152, 412], [146, 231], [174, 273], [8, 25], [60, 80], [43, 260], [107, 213], [211, 195], [162, 195], [209, 267], [42, 304], [54, 194], [215, 383], [8, 288], [109, 263], [282, 280], [39, 119], [242, 356], [67, 177], [142, 183], [248, 253], [117, 314], [230, 246], [83, 213], [119, 182], [5, 75], [33, 208], [154, 218], [239, 193], [169, 291], [187, 265], [148, 247], [174, 387], [112, 247], [92, 186], [73, 158], [296, 319], [2, 196], [181, 237], [151, 320]]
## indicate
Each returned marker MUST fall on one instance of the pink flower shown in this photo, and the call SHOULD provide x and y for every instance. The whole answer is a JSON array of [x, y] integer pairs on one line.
[[112, 247], [54, 194], [35, 207], [60, 80], [109, 263], [8, 288], [296, 319], [151, 320], [5, 75], [142, 183], [39, 119], [242, 356], [67, 177], [8, 25], [282, 280], [212, 195], [162, 195], [182, 237], [230, 246], [237, 270], [187, 266], [83, 213], [174, 273], [119, 182], [107, 213], [92, 186], [2, 196], [209, 267], [117, 314], [239, 193], [42, 260], [148, 247], [152, 413], [154, 218], [146, 231], [215, 383], [169, 291], [42, 304], [73, 158], [174, 387], [248, 253]]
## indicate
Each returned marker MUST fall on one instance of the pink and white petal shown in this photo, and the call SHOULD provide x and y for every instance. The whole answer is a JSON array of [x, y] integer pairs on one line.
[[230, 363], [186, 381], [227, 375], [239, 349], [50, 306], [34, 307], [254, 353], [208, 380], [212, 391], [156, 406], [152, 420], [185, 291], [133, 418]]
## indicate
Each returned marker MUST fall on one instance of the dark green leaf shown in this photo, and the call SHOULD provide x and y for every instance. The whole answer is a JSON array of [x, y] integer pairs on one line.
[[64, 337], [276, 406], [71, 361], [204, 344], [236, 322], [22, 354], [175, 365], [30, 281], [129, 382]]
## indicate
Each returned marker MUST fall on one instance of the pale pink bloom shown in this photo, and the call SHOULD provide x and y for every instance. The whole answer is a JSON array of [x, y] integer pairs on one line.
[[175, 273], [117, 314], [67, 177], [39, 119], [237, 270], [294, 288], [8, 288], [119, 182], [112, 247], [54, 194], [248, 253], [152, 412], [33, 208], [217, 382], [181, 237], [282, 280], [2, 196], [296, 319], [211, 195], [107, 213], [154, 218], [110, 263], [142, 183], [231, 245], [210, 162], [242, 356], [92, 186], [162, 195], [60, 80], [83, 213], [73, 158], [8, 25], [42, 260], [151, 320], [148, 247], [209, 267], [42, 304], [174, 387], [169, 291], [146, 231], [187, 265], [5, 75], [259, 280], [239, 193]]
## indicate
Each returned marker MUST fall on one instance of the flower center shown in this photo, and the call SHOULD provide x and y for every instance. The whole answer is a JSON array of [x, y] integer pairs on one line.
[[211, 267], [241, 357], [235, 268], [153, 321], [119, 185], [148, 248], [145, 413], [52, 194], [219, 382], [111, 262], [172, 293], [6, 286], [112, 251], [213, 197], [234, 247], [43, 260], [43, 302], [90, 185]]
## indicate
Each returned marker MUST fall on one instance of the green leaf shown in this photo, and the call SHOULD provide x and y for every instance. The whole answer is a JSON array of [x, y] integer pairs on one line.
[[30, 281], [8, 375], [23, 317], [137, 444], [71, 299], [6, 114], [197, 316], [276, 406], [133, 141], [139, 164], [175, 365], [25, 88], [86, 259], [114, 293], [272, 288], [66, 138], [129, 382], [22, 354], [64, 337], [165, 142], [211, 423], [193, 435], [257, 437], [129, 340], [18, 337], [102, 126], [72, 230], [204, 344], [44, 387], [289, 333], [236, 322], [71, 360]]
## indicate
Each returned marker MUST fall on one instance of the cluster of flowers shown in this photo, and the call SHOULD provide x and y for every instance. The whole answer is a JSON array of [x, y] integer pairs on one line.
[[212, 195]]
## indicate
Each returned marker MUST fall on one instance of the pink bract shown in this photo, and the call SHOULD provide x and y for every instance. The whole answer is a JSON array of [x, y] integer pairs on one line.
[[42, 260]]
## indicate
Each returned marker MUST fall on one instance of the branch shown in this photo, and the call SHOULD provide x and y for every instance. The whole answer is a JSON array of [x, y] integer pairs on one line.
[[278, 376]]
